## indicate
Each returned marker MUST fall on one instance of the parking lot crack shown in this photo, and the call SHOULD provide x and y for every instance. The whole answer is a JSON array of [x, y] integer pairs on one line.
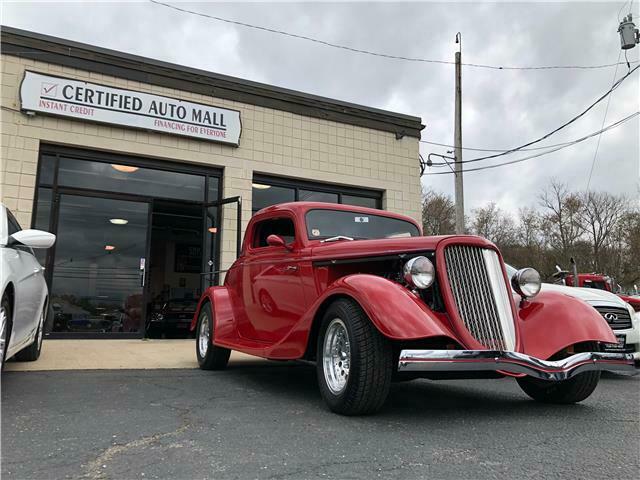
[[95, 469]]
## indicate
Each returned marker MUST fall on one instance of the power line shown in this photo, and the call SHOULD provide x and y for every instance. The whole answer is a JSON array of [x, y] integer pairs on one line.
[[615, 85], [613, 125], [377, 54], [604, 119], [495, 149]]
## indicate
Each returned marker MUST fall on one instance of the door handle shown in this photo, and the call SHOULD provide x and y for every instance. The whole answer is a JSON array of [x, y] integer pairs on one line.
[[291, 268]]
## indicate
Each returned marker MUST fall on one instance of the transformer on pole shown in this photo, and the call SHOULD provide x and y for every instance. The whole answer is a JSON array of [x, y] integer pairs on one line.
[[629, 34]]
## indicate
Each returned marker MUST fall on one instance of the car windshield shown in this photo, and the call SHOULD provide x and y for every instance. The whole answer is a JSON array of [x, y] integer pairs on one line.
[[326, 224]]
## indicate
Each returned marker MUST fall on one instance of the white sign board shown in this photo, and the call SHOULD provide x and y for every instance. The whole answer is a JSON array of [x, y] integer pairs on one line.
[[98, 103]]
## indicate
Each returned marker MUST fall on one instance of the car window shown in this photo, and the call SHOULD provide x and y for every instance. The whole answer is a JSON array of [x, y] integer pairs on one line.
[[12, 223], [282, 227], [323, 224]]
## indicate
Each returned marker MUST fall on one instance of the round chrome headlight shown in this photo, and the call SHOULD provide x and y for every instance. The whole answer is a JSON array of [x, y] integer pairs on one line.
[[526, 282], [419, 272]]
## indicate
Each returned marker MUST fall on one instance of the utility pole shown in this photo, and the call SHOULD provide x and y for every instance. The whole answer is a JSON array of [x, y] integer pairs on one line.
[[458, 140]]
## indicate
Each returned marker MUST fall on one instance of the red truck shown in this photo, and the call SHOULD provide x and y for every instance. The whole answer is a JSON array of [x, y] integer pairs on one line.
[[595, 280]]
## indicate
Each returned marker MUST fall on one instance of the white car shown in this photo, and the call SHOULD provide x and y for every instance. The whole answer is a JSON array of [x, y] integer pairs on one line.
[[620, 315], [23, 287]]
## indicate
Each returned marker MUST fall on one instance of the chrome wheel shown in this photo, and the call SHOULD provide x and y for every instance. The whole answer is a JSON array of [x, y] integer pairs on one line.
[[3, 331], [204, 336], [336, 356]]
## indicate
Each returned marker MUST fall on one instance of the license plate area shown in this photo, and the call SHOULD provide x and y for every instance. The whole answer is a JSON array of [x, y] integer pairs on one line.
[[620, 345]]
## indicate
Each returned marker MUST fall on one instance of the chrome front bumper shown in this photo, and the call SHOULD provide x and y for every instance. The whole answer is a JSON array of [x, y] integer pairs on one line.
[[512, 362]]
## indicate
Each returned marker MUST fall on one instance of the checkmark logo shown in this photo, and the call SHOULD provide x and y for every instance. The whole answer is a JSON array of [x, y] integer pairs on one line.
[[49, 89]]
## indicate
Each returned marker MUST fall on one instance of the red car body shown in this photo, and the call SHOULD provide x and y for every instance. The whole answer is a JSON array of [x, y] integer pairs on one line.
[[633, 301], [274, 298]]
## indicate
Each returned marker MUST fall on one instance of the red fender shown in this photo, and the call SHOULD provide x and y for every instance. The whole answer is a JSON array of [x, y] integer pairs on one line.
[[553, 321], [221, 304], [393, 309]]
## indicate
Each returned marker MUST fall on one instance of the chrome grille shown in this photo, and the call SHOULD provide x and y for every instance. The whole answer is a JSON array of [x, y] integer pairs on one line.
[[617, 318], [482, 298]]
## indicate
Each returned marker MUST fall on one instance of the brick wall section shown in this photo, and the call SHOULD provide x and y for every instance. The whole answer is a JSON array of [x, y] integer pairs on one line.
[[272, 142]]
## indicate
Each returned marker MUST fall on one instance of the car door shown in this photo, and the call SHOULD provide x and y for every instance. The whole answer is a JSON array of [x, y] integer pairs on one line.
[[29, 286], [272, 295]]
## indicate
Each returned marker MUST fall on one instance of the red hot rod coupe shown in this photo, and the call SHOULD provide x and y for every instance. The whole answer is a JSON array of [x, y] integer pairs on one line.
[[363, 294]]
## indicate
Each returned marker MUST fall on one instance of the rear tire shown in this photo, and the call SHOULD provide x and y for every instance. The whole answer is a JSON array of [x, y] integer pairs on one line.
[[573, 390], [210, 356], [354, 362], [5, 328], [32, 352]]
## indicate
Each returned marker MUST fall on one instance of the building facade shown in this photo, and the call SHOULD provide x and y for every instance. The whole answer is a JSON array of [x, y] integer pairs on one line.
[[146, 170]]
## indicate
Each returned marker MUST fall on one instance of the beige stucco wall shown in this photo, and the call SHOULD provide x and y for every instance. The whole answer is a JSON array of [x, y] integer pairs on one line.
[[272, 142]]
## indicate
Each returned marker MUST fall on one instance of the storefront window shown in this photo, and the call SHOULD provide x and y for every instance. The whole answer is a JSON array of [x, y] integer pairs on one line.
[[47, 169], [42, 219], [123, 178], [269, 191], [214, 189], [360, 201], [265, 195], [130, 238], [311, 196], [97, 274]]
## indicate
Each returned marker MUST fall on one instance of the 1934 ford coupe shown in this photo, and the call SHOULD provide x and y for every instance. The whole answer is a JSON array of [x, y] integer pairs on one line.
[[363, 294]]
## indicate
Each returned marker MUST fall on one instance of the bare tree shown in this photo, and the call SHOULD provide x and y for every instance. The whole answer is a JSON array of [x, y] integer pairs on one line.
[[600, 215], [438, 213], [493, 224], [563, 216]]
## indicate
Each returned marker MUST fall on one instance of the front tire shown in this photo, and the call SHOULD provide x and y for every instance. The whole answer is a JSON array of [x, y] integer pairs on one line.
[[210, 356], [354, 362], [32, 352], [573, 390]]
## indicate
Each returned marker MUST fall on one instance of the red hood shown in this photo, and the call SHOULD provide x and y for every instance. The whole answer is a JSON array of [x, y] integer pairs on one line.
[[386, 246]]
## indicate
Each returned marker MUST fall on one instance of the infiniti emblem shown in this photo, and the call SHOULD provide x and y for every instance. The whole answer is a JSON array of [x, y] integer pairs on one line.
[[612, 317]]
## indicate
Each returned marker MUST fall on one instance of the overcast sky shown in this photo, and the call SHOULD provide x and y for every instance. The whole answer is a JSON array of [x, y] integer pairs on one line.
[[501, 109]]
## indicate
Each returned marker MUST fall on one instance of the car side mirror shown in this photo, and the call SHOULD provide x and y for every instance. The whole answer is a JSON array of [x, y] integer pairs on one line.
[[277, 241], [32, 238]]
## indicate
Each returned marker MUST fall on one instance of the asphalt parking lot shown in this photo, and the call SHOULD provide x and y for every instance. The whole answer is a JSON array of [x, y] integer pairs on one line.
[[268, 422]]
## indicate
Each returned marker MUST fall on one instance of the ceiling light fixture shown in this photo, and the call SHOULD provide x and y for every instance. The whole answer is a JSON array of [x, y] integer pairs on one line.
[[109, 248], [124, 168], [260, 186], [119, 221]]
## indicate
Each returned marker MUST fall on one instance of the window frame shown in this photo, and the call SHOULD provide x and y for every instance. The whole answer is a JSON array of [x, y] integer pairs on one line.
[[251, 232]]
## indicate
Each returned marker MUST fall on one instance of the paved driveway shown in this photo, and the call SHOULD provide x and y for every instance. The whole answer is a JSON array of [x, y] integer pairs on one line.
[[268, 421]]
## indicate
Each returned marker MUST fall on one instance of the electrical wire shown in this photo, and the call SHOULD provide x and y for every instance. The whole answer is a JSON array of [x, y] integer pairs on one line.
[[377, 54], [487, 167], [615, 85], [604, 119], [495, 149]]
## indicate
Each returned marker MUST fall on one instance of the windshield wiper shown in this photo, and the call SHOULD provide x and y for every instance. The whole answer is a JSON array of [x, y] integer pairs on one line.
[[336, 238]]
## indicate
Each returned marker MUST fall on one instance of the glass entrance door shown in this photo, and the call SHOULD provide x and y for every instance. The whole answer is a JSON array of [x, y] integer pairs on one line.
[[99, 267], [214, 212]]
